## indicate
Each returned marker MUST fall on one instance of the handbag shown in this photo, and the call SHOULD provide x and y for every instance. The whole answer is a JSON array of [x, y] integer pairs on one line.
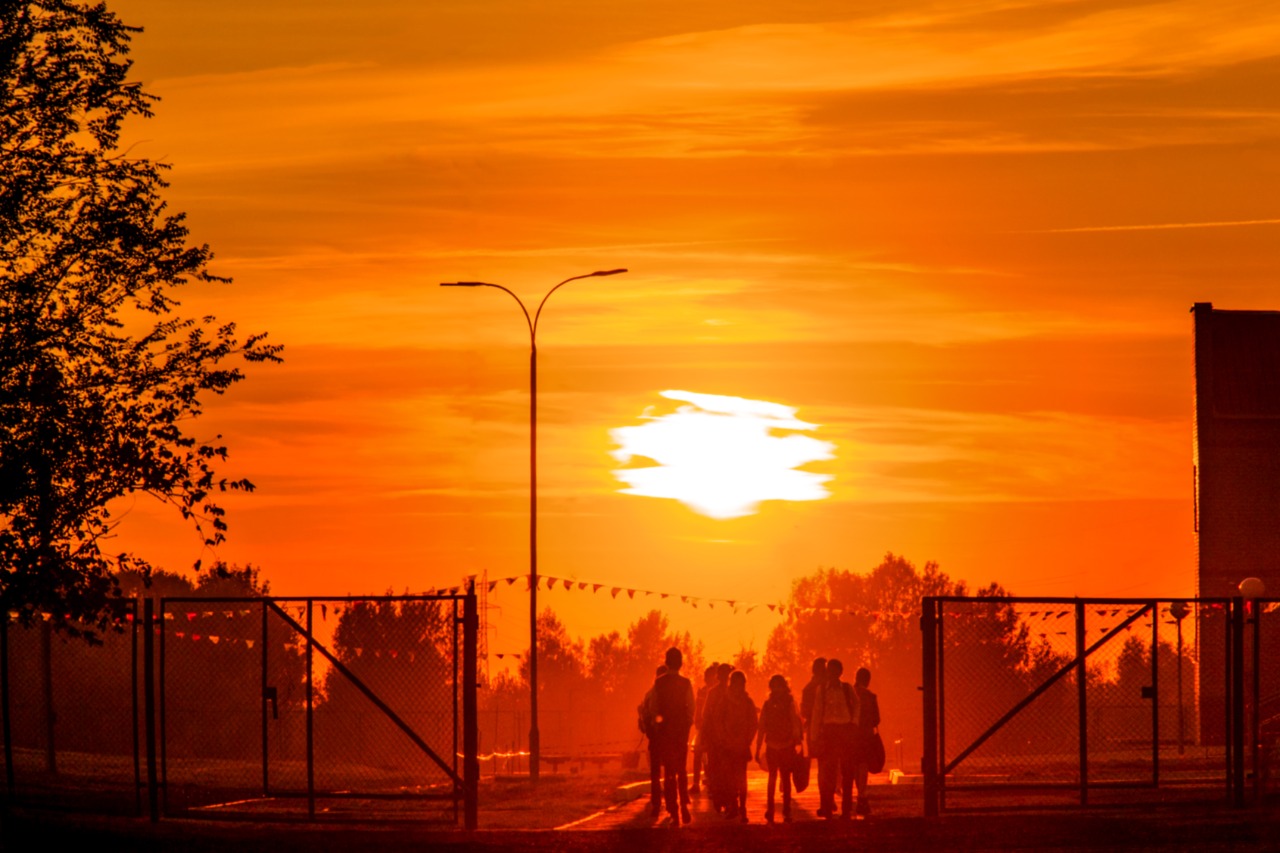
[[875, 753], [800, 771]]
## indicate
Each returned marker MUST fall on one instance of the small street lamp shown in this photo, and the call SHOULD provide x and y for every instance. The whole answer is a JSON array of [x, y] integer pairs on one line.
[[1179, 610], [1252, 589]]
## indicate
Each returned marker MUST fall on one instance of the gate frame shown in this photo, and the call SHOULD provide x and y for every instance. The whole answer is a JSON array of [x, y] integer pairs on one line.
[[465, 789], [933, 689]]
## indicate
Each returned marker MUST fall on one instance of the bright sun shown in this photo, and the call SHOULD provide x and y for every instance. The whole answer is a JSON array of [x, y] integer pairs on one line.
[[720, 456]]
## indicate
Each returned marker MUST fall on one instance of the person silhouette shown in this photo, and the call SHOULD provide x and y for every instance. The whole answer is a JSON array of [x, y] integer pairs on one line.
[[836, 708], [644, 712], [709, 677], [740, 720], [864, 737], [672, 714], [713, 716], [781, 731]]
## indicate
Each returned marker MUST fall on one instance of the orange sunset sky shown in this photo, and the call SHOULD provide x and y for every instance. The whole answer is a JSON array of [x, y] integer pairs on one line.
[[962, 238]]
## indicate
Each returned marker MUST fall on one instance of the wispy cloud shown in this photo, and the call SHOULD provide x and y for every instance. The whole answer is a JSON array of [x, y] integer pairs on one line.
[[1160, 226]]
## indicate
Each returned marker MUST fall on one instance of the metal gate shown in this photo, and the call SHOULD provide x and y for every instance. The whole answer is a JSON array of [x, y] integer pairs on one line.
[[1058, 701], [348, 707]]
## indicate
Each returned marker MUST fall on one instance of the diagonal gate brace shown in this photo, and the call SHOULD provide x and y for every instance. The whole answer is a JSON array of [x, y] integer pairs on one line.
[[1048, 682], [369, 694]]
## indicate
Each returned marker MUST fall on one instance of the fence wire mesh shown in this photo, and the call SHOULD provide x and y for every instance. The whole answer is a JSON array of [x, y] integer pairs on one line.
[[382, 675], [1012, 711], [72, 717]]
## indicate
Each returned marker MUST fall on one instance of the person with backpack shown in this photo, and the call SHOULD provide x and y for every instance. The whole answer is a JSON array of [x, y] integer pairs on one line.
[[713, 732], [836, 708], [739, 727], [866, 744], [644, 713], [710, 678], [672, 718], [781, 732]]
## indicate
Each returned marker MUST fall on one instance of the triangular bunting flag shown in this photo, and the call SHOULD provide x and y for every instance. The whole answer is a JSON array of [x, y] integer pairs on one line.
[[614, 592]]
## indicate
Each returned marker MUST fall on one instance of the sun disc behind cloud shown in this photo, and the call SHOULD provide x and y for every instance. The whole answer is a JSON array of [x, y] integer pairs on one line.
[[721, 456]]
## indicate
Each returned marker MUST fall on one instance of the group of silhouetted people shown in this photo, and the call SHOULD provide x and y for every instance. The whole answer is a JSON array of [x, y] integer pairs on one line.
[[840, 722], [835, 722]]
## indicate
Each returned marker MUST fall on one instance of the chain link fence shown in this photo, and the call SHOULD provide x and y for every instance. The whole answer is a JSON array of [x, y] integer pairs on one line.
[[70, 716], [342, 707], [1079, 700], [269, 705]]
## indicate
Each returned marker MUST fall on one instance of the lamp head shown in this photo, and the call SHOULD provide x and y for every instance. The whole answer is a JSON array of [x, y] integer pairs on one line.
[[1252, 588], [464, 284], [607, 272]]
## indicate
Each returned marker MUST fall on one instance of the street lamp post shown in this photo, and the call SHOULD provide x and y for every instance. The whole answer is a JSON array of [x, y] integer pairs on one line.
[[535, 746]]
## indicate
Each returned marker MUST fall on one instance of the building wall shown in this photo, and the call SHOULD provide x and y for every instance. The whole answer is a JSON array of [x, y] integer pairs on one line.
[[1236, 459]]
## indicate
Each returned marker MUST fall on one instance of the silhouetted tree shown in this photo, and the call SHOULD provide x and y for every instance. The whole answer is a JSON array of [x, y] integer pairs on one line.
[[212, 671], [588, 691], [872, 620], [100, 377]]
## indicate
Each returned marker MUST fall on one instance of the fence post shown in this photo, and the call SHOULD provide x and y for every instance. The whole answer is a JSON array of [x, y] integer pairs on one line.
[[1155, 694], [311, 748], [149, 703], [1082, 705], [275, 707], [4, 702], [46, 680], [470, 723], [1237, 701], [1255, 720], [929, 761]]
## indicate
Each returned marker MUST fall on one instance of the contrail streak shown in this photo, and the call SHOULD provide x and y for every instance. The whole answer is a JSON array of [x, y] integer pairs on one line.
[[1161, 227]]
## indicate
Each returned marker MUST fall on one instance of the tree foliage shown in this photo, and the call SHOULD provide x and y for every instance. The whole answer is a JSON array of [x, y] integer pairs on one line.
[[872, 620], [100, 375], [588, 690], [403, 651]]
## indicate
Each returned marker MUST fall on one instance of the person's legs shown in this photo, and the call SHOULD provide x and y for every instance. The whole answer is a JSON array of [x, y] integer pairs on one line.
[[860, 773], [785, 772], [671, 754], [655, 778], [828, 769], [681, 758], [699, 756], [846, 775], [680, 755], [769, 789], [742, 790]]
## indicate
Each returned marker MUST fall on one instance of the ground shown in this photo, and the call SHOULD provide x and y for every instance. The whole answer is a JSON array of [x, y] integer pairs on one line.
[[604, 816]]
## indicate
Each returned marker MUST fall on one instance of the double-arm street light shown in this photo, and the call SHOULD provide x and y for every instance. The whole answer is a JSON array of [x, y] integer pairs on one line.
[[534, 740]]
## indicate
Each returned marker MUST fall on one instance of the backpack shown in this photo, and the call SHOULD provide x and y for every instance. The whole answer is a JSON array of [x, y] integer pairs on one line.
[[644, 715], [668, 707], [777, 720]]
